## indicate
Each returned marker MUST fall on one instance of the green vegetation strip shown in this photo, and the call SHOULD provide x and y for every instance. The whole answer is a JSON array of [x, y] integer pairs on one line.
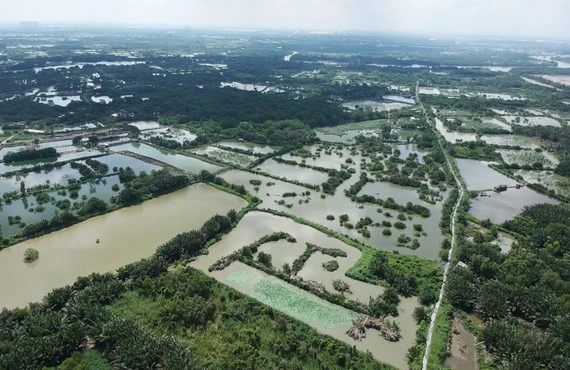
[[295, 302]]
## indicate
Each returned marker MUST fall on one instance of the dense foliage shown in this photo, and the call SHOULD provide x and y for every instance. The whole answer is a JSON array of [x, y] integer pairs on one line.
[[146, 186], [284, 133], [524, 296], [31, 154]]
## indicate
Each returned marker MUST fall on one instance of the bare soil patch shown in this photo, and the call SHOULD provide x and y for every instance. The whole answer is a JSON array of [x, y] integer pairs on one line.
[[463, 353]]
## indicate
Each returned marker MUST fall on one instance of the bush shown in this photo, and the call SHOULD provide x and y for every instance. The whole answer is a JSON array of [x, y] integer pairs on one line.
[[400, 225], [330, 217], [420, 314], [387, 232], [31, 254], [403, 239], [331, 265], [264, 259], [415, 244], [341, 286]]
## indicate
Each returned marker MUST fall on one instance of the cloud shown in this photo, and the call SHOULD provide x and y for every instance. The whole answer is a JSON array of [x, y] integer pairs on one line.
[[532, 18]]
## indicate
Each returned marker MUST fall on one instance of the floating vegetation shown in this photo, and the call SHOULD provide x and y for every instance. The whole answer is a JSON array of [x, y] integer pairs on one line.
[[388, 329], [531, 158], [226, 156], [299, 304]]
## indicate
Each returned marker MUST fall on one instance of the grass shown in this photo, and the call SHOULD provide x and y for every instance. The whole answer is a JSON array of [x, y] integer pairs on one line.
[[88, 359], [426, 272], [480, 152], [26, 137], [441, 337], [142, 310]]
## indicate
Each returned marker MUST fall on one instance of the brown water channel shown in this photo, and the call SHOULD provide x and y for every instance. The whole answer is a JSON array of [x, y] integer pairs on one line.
[[126, 235]]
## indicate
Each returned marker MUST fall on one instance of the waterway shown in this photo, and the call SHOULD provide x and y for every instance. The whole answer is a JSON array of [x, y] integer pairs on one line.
[[126, 236]]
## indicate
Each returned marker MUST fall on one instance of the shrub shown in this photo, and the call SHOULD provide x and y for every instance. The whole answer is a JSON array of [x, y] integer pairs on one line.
[[341, 286], [403, 239], [264, 259], [415, 244], [400, 225], [331, 265], [31, 254]]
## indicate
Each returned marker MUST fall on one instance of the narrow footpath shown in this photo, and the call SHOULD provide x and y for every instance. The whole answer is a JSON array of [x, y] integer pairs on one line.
[[448, 263]]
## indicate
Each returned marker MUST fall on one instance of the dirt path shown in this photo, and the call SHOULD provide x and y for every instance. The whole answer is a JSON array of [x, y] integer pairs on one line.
[[448, 264], [463, 353]]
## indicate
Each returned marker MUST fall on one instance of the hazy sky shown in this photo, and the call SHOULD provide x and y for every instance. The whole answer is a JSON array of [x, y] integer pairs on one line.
[[527, 18]]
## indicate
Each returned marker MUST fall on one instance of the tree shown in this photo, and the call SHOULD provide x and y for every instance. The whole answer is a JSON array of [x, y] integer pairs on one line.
[[494, 300], [264, 259], [232, 215], [31, 254], [461, 288], [130, 196], [390, 295], [93, 206], [420, 314]]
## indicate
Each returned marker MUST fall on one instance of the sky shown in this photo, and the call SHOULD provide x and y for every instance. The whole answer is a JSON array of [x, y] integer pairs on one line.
[[534, 19]]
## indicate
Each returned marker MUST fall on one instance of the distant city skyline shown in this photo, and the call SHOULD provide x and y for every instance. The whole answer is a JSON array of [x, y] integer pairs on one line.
[[533, 19]]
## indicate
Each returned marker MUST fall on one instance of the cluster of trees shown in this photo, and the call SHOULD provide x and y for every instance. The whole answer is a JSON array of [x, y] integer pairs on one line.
[[407, 275], [209, 177], [31, 154], [524, 296], [146, 186], [335, 179], [57, 222], [174, 95], [100, 168], [47, 167], [475, 150], [91, 169]]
